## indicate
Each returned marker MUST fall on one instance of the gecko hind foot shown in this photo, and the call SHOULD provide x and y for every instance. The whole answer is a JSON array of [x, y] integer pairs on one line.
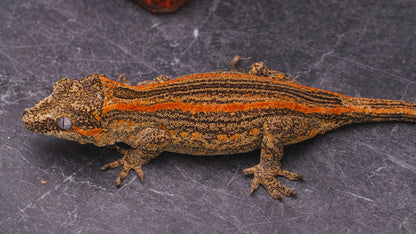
[[123, 79], [236, 60], [266, 177], [128, 163]]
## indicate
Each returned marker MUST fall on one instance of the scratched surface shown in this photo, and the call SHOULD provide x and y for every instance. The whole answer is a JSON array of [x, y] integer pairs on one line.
[[358, 179]]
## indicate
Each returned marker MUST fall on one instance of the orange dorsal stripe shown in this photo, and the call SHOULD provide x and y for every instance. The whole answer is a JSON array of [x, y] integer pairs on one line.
[[229, 107]]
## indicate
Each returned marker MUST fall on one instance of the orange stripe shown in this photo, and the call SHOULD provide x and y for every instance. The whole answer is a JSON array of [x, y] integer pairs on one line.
[[233, 107], [93, 132], [194, 108], [230, 107]]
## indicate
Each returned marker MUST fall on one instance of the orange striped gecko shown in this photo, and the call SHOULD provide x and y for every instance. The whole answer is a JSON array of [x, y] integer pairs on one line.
[[215, 113]]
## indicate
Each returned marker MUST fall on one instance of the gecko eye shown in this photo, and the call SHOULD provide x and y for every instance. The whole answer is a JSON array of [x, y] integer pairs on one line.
[[64, 123]]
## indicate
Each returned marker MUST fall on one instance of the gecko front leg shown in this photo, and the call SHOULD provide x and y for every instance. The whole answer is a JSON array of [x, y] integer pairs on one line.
[[148, 144], [279, 131]]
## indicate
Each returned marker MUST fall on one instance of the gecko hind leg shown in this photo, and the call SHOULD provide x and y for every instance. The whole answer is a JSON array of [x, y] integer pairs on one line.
[[158, 79], [235, 61], [260, 69], [123, 79], [278, 132]]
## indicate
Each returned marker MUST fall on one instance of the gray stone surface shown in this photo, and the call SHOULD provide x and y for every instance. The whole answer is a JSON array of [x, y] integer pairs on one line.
[[358, 179]]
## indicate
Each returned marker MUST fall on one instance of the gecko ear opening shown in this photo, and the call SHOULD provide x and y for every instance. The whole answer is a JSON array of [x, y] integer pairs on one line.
[[64, 123]]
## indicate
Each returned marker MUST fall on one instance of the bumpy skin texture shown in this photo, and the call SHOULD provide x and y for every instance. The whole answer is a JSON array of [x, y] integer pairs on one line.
[[214, 113]]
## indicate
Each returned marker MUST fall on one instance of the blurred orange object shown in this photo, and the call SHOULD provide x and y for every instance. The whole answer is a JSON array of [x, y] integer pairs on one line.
[[161, 6]]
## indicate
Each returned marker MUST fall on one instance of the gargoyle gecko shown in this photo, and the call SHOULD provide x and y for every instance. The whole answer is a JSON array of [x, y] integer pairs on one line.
[[214, 113]]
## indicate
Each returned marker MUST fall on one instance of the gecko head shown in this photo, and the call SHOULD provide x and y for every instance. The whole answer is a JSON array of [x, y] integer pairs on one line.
[[72, 111]]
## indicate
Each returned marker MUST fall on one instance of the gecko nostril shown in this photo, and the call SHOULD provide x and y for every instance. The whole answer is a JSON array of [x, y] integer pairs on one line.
[[25, 112]]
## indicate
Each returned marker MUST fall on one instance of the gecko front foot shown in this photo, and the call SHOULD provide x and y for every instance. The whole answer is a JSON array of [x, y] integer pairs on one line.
[[266, 177], [149, 144], [130, 160]]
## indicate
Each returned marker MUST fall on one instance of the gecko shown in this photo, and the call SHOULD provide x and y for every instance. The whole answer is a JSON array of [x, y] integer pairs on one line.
[[214, 113]]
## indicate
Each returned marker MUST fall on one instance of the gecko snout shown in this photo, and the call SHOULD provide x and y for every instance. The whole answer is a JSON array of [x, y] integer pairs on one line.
[[35, 122], [27, 119]]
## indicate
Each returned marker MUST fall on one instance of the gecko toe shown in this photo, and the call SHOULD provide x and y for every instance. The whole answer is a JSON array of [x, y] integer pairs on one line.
[[290, 175], [249, 171], [114, 164], [276, 189], [123, 174], [118, 181], [254, 185], [139, 173]]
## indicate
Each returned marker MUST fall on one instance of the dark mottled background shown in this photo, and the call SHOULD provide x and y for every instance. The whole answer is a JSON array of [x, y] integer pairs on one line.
[[358, 179]]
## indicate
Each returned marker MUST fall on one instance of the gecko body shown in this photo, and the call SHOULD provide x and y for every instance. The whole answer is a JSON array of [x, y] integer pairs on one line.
[[214, 113]]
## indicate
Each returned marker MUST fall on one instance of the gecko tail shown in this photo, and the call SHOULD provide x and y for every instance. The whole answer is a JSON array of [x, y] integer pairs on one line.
[[381, 110]]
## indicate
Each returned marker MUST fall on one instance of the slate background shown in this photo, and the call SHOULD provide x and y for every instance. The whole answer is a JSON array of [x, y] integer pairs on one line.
[[358, 179]]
